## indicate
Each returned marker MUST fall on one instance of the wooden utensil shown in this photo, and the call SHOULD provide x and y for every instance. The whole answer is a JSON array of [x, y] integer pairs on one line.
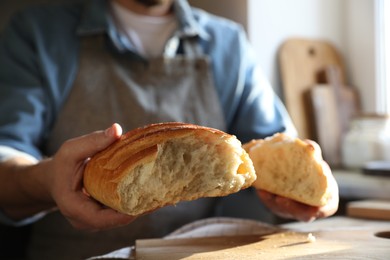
[[300, 60]]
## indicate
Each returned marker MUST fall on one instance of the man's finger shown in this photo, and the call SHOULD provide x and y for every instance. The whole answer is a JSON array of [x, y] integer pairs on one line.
[[91, 215], [288, 208], [107, 218], [85, 146]]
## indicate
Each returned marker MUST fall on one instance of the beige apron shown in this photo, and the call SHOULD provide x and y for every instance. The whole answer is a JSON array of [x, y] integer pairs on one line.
[[115, 88]]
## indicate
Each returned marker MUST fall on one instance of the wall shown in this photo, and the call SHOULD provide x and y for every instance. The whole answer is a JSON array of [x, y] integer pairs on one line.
[[271, 22], [348, 24], [360, 49], [236, 10]]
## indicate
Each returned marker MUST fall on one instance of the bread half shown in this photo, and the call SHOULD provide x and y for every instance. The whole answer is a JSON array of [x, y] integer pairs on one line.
[[162, 164], [291, 168]]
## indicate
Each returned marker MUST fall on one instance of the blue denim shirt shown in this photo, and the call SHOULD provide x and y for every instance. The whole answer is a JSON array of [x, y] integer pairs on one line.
[[39, 52]]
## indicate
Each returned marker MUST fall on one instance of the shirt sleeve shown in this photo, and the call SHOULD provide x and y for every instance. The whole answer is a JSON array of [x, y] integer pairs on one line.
[[22, 100], [10, 222], [22, 96], [7, 153], [254, 110], [260, 113]]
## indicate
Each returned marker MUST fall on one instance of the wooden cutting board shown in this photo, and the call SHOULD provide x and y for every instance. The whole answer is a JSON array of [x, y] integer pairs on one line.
[[334, 105], [300, 60], [326, 122], [333, 240], [369, 209], [347, 97]]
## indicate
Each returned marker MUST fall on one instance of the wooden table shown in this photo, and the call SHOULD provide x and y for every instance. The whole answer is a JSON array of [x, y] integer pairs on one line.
[[332, 238]]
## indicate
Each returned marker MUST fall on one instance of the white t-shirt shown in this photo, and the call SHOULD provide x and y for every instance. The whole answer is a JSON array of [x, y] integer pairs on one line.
[[148, 34]]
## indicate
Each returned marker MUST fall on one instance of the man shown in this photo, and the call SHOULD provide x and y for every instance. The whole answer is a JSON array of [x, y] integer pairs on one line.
[[67, 71]]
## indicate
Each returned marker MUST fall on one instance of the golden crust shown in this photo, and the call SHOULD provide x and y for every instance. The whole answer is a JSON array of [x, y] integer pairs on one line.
[[106, 169]]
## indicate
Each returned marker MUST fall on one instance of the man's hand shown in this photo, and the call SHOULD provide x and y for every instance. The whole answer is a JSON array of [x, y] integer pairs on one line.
[[65, 171], [28, 188], [288, 208]]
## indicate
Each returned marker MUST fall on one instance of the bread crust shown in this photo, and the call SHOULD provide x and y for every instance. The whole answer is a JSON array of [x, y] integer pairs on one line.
[[107, 169]]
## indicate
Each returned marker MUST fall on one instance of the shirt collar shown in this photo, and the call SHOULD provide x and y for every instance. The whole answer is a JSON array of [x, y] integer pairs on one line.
[[189, 27], [95, 19]]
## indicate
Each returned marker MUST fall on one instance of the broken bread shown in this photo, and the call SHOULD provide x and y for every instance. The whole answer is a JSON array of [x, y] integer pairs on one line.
[[163, 164], [291, 168]]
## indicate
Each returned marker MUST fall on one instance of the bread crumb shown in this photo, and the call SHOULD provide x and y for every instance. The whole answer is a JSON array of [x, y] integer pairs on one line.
[[311, 238]]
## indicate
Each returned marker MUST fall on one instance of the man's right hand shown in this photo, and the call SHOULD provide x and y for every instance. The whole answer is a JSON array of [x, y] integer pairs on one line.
[[58, 181]]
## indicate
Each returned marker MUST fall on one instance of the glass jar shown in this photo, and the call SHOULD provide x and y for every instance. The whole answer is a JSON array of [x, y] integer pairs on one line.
[[368, 139]]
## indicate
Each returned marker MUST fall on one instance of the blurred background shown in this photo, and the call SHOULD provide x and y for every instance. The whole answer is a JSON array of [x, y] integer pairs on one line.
[[351, 25], [329, 61]]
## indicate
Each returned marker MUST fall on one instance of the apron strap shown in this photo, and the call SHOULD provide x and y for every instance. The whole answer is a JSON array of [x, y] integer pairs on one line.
[[190, 45]]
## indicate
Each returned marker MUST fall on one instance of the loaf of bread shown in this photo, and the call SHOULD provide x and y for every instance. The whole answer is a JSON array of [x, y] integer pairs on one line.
[[163, 164], [291, 168]]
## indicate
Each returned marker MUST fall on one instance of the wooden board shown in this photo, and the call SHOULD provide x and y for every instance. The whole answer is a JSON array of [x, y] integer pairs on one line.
[[326, 122], [370, 209], [347, 97], [300, 61], [334, 240]]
